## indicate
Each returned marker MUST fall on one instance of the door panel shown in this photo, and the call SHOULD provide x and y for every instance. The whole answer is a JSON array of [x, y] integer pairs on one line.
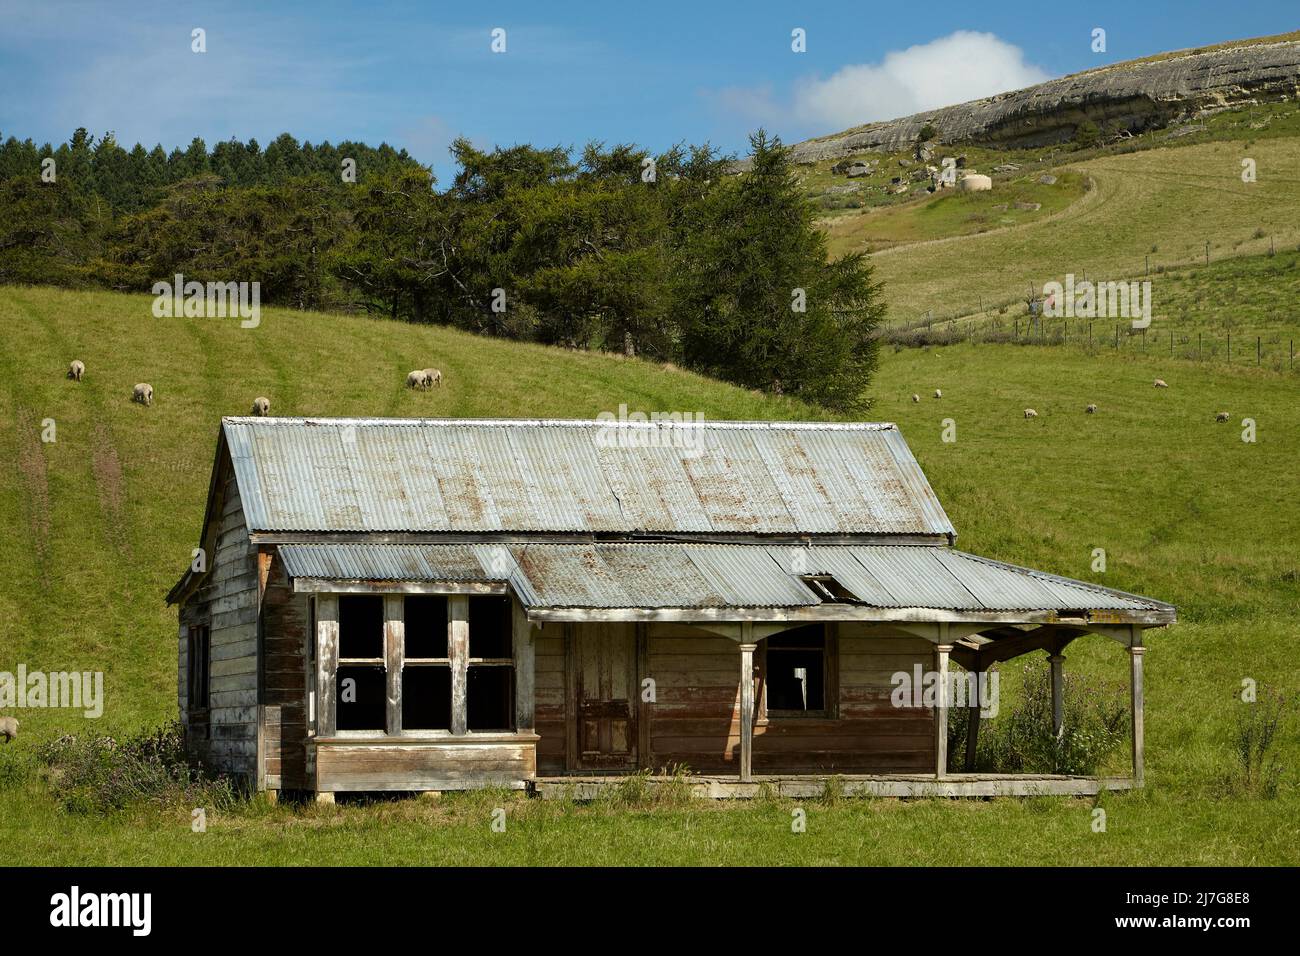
[[605, 674]]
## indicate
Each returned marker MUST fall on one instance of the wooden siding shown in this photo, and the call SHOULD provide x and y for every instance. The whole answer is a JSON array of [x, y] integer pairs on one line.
[[460, 763], [285, 622], [226, 601], [695, 720]]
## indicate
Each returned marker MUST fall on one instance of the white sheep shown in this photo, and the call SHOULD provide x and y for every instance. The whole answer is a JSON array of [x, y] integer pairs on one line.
[[1161, 383], [76, 370], [142, 393], [916, 397], [416, 379], [938, 393], [1091, 409], [8, 728], [1221, 417], [432, 378], [261, 406], [1030, 413]]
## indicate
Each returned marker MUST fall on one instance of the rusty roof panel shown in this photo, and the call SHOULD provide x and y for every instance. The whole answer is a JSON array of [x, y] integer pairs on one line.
[[696, 575], [466, 476]]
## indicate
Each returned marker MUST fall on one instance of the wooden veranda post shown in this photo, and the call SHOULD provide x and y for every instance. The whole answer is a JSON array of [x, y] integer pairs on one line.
[[1135, 657], [394, 654], [327, 662], [525, 651], [941, 652], [1058, 695], [458, 648], [973, 720], [747, 705]]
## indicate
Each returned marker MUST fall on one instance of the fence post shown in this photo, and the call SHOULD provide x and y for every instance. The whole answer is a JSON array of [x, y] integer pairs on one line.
[[1171, 342], [1257, 351], [1229, 348], [1117, 336]]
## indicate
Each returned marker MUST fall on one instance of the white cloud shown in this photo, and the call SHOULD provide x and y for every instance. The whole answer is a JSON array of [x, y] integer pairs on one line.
[[953, 69]]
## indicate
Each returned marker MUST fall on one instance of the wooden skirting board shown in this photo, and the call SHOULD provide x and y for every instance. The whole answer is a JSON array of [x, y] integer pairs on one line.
[[873, 785]]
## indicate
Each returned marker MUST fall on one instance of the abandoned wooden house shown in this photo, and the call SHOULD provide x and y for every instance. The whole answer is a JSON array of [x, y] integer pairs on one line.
[[421, 605]]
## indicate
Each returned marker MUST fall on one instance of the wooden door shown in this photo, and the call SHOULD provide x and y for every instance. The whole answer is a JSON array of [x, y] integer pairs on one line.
[[603, 665]]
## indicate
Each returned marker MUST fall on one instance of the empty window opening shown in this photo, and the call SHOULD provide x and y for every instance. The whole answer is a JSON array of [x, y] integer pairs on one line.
[[795, 671], [489, 628], [489, 697], [426, 626], [362, 697], [426, 698], [361, 627]]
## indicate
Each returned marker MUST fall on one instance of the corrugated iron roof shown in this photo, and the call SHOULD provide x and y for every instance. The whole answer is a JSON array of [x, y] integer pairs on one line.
[[698, 575], [473, 476]]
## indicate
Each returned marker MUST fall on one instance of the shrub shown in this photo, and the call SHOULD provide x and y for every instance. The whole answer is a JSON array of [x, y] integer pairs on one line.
[[1020, 739], [1256, 768], [95, 773]]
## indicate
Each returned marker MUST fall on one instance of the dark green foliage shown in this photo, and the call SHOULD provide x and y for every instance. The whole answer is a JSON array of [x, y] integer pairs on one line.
[[668, 256], [97, 774], [1020, 740]]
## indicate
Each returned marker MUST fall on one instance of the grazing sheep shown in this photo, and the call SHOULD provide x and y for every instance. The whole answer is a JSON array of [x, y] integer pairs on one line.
[[1030, 413], [1221, 417], [261, 406], [1161, 383], [1091, 409], [8, 728], [416, 379], [143, 393], [432, 378], [938, 393], [76, 370], [916, 397]]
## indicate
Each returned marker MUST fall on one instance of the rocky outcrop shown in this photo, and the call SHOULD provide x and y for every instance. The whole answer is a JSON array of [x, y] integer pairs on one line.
[[1134, 96]]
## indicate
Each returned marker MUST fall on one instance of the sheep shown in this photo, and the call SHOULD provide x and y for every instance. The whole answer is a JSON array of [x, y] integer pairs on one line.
[[1030, 413], [261, 406], [1221, 417], [8, 728], [1091, 409], [1161, 383], [432, 378], [143, 393], [916, 397], [938, 393], [416, 379], [76, 370]]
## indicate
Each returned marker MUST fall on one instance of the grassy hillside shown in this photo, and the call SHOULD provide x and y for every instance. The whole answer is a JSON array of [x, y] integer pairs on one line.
[[102, 521], [105, 516], [1165, 204]]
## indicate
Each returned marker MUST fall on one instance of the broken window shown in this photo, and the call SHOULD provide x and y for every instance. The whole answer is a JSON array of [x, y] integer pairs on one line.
[[489, 690], [426, 667], [796, 672], [360, 686]]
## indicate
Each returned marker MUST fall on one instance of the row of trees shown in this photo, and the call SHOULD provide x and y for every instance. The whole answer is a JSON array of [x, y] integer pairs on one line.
[[666, 256]]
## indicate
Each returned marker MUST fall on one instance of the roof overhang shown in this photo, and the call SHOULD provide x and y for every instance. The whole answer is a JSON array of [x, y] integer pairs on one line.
[[698, 582]]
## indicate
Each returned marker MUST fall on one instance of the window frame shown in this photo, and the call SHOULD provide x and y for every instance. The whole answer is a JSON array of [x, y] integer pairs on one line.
[[394, 662], [198, 650], [830, 709]]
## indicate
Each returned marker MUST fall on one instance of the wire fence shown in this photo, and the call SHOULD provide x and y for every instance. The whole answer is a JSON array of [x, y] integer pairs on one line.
[[1271, 350]]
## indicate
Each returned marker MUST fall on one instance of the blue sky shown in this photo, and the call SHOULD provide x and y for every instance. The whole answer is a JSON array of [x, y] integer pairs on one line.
[[419, 74]]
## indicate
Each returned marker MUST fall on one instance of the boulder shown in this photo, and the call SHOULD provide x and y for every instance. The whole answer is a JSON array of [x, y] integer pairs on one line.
[[974, 183], [1047, 179], [1029, 206]]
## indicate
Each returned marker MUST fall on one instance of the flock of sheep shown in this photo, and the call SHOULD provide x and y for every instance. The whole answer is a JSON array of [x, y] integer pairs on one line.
[[142, 393], [1091, 409]]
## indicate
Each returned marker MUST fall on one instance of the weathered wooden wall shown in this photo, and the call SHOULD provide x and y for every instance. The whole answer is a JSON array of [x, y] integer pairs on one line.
[[285, 624], [227, 602], [695, 719]]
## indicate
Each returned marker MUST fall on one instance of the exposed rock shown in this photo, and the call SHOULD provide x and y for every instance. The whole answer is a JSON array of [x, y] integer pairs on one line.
[[1007, 168], [858, 169], [974, 183], [1047, 179], [1029, 206], [1135, 96]]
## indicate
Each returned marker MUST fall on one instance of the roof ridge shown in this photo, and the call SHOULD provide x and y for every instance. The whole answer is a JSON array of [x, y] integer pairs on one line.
[[562, 422]]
